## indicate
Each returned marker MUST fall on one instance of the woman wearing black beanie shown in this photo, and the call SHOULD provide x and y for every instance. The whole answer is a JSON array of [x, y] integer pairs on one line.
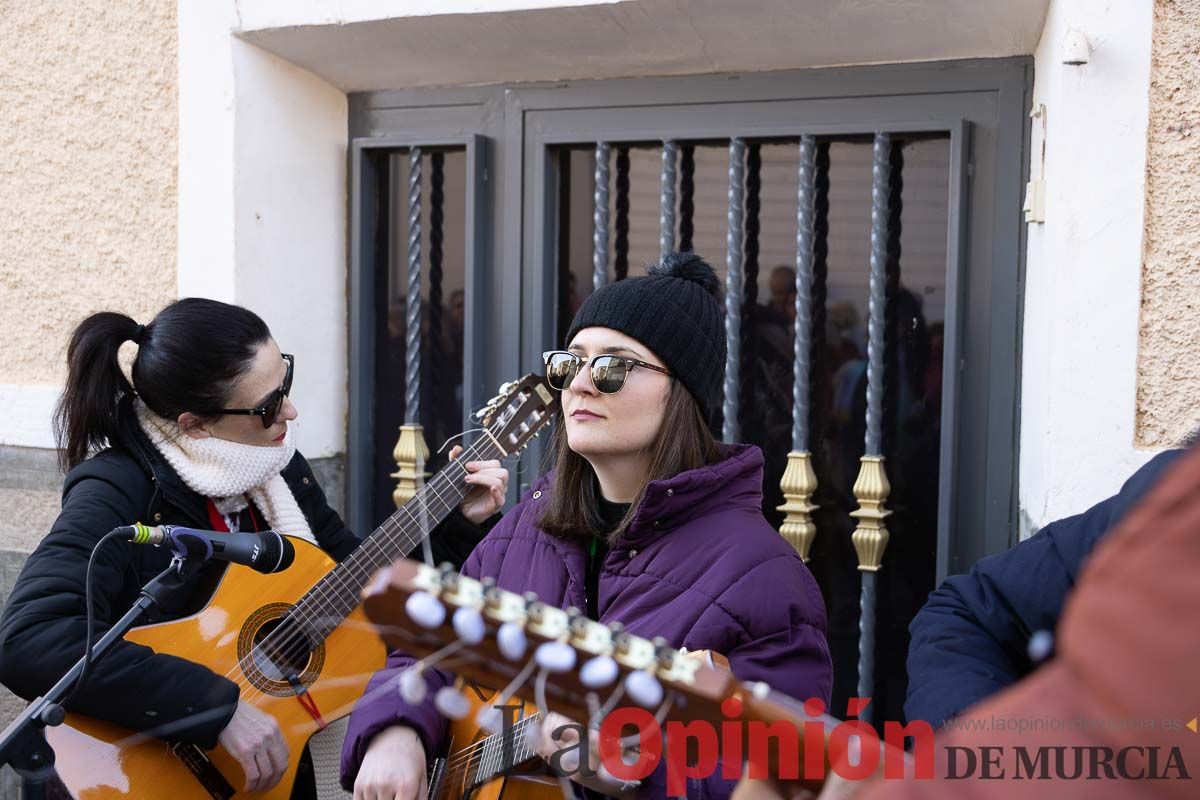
[[645, 520]]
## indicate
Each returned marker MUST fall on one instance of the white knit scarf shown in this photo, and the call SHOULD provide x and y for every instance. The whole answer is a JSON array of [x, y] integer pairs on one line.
[[228, 471]]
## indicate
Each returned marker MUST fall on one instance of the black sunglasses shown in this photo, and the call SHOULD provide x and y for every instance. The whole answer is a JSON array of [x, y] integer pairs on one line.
[[269, 411], [608, 371]]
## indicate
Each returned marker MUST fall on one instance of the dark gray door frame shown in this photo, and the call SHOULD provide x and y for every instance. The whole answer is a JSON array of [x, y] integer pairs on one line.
[[981, 104]]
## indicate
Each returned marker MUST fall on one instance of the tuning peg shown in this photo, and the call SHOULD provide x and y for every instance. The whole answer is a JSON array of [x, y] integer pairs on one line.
[[663, 652], [451, 703], [555, 656], [598, 672], [644, 688], [620, 639], [425, 610], [533, 608], [448, 576], [511, 639], [492, 597], [412, 686], [468, 624]]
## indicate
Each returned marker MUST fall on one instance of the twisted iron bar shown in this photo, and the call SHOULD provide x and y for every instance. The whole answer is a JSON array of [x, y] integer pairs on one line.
[[666, 216], [805, 251], [412, 331], [866, 642], [621, 240], [880, 215], [687, 194], [600, 218], [881, 175], [730, 430]]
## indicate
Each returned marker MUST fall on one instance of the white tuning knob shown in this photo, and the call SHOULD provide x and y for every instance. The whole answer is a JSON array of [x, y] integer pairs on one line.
[[468, 624], [598, 672], [425, 609], [644, 688], [451, 703], [412, 686], [555, 656], [511, 639]]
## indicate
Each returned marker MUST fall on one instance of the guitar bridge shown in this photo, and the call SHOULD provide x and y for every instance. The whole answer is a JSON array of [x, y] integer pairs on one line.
[[201, 766]]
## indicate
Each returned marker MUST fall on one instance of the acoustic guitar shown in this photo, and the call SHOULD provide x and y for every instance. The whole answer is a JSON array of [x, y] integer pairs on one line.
[[295, 642], [584, 670], [477, 763]]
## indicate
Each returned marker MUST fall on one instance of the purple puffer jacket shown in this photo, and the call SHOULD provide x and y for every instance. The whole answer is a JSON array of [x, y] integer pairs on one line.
[[699, 565]]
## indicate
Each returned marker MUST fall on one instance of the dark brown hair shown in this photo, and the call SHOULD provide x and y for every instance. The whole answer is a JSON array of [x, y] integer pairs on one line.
[[189, 357], [683, 442]]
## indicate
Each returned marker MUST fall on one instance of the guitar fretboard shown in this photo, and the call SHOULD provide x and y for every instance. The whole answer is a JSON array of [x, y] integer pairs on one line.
[[330, 601], [488, 759]]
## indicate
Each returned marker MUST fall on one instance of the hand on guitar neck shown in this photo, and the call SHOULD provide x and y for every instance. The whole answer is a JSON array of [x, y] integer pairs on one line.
[[393, 767], [490, 482]]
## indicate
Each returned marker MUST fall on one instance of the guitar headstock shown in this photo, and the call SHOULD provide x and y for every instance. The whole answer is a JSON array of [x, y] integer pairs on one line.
[[493, 636], [499, 632], [518, 411]]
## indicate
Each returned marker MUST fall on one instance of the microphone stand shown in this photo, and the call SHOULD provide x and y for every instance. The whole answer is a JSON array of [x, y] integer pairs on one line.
[[23, 743]]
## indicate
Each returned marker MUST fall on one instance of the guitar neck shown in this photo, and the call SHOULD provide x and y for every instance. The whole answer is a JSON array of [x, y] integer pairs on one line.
[[487, 759], [331, 600]]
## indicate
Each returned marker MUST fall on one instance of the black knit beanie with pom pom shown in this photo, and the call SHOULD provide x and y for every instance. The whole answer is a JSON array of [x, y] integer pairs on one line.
[[675, 310]]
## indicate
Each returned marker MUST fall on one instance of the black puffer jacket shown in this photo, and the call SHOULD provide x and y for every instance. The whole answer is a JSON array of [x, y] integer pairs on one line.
[[43, 626]]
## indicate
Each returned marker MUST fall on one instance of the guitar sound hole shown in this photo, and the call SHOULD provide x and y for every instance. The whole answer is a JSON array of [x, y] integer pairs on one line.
[[272, 649], [281, 650]]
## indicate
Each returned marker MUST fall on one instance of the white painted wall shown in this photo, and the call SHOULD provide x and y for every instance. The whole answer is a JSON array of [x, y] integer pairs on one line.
[[1083, 269], [290, 230], [262, 204]]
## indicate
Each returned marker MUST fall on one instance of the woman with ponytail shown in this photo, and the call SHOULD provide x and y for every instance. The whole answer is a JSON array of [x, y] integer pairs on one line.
[[645, 520], [198, 435]]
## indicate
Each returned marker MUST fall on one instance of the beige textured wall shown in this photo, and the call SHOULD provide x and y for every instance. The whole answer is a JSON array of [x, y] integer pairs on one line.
[[1168, 402], [88, 143]]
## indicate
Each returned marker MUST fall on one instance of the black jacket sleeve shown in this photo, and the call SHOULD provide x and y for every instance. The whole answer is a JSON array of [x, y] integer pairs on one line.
[[42, 630], [327, 526], [971, 638]]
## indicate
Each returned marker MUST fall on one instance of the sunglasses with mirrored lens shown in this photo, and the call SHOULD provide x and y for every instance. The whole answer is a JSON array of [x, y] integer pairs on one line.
[[608, 372], [269, 411]]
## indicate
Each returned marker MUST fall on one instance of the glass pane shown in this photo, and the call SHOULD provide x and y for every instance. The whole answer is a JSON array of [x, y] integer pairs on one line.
[[443, 229]]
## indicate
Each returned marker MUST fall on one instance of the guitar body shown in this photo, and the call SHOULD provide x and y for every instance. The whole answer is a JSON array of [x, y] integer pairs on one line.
[[527, 781], [98, 760]]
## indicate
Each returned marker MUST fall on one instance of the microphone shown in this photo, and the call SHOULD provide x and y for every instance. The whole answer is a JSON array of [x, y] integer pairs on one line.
[[264, 552]]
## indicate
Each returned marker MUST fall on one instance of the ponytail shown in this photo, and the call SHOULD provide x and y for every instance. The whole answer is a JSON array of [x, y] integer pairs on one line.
[[86, 416], [189, 358]]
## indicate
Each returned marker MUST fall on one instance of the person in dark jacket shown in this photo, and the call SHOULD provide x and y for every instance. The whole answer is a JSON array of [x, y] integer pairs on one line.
[[200, 438], [971, 639], [646, 520]]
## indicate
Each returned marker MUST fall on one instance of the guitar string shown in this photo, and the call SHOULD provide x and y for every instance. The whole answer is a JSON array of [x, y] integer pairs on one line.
[[325, 597], [473, 755], [320, 595]]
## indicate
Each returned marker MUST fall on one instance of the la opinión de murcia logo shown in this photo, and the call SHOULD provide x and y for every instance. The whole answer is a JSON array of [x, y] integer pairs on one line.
[[630, 744]]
